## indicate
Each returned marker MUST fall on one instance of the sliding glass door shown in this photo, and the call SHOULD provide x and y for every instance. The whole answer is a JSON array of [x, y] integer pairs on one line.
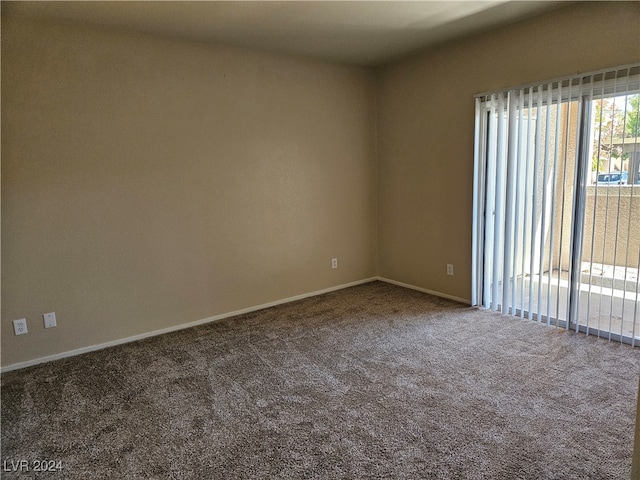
[[611, 228], [555, 190]]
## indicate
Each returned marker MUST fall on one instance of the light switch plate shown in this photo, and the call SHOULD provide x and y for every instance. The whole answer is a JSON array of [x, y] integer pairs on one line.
[[50, 320]]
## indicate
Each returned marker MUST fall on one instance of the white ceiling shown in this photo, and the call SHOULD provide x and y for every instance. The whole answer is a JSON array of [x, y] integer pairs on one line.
[[358, 32]]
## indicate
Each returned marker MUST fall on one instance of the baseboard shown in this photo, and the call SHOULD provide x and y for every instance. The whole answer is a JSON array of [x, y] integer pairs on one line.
[[142, 336], [424, 290]]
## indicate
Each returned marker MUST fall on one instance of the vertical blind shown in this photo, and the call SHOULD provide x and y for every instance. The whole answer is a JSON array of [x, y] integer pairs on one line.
[[556, 203]]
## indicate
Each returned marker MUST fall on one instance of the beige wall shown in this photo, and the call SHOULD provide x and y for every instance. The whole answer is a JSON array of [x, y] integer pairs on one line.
[[149, 182], [426, 127]]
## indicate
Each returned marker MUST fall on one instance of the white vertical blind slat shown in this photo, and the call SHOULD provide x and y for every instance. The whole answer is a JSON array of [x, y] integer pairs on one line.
[[554, 181], [565, 161], [512, 145], [519, 225], [491, 207], [499, 206], [593, 219], [529, 173], [585, 93], [543, 207], [478, 201], [534, 205]]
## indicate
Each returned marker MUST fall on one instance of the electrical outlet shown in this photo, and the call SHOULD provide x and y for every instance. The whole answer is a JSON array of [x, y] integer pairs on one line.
[[334, 263], [449, 269], [20, 326], [50, 320]]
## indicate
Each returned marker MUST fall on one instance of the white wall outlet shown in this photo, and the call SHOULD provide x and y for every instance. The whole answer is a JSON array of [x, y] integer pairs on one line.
[[20, 326], [449, 269], [334, 263], [50, 320]]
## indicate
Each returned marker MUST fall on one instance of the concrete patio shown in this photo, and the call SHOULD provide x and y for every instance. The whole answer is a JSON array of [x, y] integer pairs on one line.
[[609, 299]]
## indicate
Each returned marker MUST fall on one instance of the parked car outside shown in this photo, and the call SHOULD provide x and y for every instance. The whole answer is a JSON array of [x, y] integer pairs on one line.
[[612, 178]]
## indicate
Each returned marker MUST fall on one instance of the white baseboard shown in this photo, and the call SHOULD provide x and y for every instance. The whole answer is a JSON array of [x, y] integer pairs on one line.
[[215, 318], [424, 290]]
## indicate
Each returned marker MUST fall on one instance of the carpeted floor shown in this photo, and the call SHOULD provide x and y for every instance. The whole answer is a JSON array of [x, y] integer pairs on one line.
[[374, 381]]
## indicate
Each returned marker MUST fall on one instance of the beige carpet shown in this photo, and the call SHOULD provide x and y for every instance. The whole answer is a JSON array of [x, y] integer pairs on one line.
[[374, 381]]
